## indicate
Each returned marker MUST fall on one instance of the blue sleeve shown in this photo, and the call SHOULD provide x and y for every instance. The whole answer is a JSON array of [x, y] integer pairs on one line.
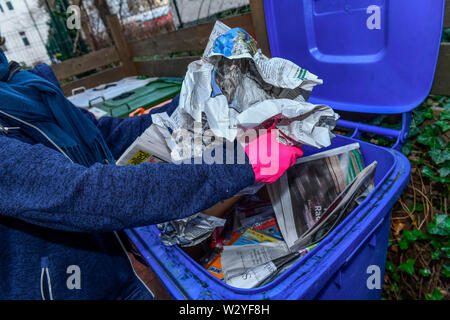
[[120, 133], [40, 186]]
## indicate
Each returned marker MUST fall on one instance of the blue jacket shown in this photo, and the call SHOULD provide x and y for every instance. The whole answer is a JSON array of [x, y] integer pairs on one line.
[[57, 218]]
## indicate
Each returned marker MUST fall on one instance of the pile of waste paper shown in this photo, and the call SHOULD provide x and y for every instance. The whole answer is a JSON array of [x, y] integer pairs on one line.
[[234, 88]]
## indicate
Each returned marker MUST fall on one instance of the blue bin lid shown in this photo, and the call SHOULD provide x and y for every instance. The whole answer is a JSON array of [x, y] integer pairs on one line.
[[374, 56]]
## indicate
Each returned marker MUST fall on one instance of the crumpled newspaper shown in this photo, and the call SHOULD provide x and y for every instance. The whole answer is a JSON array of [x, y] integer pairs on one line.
[[235, 87], [239, 262], [189, 231]]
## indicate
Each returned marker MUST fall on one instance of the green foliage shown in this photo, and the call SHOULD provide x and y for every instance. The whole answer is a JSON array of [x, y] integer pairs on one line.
[[446, 270], [435, 295], [445, 115], [420, 250], [436, 239], [407, 147], [443, 124], [431, 139], [440, 225], [408, 266], [428, 172], [425, 272], [447, 251]]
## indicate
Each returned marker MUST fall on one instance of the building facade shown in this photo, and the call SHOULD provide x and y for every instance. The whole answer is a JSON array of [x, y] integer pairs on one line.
[[24, 26]]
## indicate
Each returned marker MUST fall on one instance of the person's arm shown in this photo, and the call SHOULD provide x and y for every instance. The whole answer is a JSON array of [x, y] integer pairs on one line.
[[120, 133], [42, 187]]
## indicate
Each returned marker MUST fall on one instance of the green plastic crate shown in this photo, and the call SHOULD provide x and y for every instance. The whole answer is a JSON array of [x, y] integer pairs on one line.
[[145, 97]]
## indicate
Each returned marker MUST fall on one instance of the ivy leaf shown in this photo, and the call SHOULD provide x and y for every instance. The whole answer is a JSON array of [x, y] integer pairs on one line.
[[410, 236], [417, 233], [446, 270], [418, 116], [430, 137], [447, 251], [441, 99], [438, 143], [428, 113], [428, 172], [414, 131], [440, 225], [436, 255], [407, 147], [444, 172], [425, 272], [445, 115], [439, 156], [435, 295], [408, 267], [428, 134], [443, 124], [390, 266], [403, 244]]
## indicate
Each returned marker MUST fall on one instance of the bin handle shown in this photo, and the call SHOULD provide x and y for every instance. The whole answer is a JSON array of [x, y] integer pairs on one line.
[[74, 91], [401, 135], [137, 112], [363, 242], [96, 98]]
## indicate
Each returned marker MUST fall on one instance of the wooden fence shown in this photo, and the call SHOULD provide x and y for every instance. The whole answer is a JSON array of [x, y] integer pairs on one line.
[[126, 58]]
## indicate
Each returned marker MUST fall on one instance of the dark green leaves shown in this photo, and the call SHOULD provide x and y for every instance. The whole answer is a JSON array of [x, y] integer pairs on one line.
[[418, 245], [428, 172], [430, 137], [440, 156], [445, 115], [435, 295], [440, 225], [446, 270], [408, 267], [444, 171], [425, 272], [443, 124]]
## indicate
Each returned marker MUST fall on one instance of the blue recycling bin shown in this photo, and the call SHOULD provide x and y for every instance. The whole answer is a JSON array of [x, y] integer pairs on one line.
[[375, 56]]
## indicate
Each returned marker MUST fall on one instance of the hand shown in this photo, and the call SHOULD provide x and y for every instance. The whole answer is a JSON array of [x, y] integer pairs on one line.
[[269, 158]]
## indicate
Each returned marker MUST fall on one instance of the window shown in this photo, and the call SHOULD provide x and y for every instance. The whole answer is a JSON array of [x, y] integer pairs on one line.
[[1, 8], [9, 5], [24, 38]]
